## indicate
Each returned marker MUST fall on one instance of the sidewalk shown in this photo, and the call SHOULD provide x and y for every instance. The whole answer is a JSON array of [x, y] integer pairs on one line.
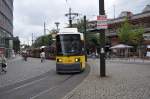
[[129, 60], [123, 81]]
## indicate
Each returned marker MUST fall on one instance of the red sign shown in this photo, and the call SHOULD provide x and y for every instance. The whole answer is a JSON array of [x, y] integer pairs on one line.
[[102, 17], [102, 22], [2, 50]]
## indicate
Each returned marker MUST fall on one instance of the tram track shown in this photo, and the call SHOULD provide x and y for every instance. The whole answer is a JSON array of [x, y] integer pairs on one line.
[[54, 87], [45, 87]]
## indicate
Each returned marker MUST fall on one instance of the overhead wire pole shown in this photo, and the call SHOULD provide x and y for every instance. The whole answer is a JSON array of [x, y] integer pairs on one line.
[[44, 28], [32, 38], [114, 11], [71, 15], [70, 18], [85, 37], [102, 42]]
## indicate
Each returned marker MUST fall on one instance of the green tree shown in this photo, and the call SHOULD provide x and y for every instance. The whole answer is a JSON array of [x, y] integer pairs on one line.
[[136, 36], [43, 41], [16, 44], [124, 32], [130, 34]]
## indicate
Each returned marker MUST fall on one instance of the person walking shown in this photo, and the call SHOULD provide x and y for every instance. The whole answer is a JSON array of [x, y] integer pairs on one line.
[[42, 55], [93, 56], [24, 55], [3, 63]]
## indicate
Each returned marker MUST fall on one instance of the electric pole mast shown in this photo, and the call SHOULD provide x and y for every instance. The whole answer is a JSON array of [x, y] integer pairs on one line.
[[114, 11], [71, 16], [32, 38], [102, 42], [44, 28], [85, 37]]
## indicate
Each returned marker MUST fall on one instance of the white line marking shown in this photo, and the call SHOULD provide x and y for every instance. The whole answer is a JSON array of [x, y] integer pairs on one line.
[[39, 94]]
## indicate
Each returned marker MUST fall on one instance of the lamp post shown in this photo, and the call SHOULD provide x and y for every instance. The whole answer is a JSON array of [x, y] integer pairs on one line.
[[102, 42], [57, 25]]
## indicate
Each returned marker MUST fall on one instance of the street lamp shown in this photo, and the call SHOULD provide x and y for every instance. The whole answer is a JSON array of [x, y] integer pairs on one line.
[[57, 25]]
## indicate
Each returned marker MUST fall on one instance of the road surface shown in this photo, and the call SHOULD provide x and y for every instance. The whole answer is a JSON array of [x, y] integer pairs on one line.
[[28, 84]]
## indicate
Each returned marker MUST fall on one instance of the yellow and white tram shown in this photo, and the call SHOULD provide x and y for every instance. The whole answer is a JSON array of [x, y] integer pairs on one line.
[[70, 53]]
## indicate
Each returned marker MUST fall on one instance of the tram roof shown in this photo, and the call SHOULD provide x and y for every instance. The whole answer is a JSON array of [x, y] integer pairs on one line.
[[69, 33], [81, 34], [75, 30]]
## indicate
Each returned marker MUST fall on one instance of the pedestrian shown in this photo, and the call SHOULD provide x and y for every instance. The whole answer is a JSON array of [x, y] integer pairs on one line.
[[42, 55], [3, 63], [24, 55], [93, 55]]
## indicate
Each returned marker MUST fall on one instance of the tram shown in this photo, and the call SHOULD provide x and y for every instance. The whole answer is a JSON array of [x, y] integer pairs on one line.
[[70, 52]]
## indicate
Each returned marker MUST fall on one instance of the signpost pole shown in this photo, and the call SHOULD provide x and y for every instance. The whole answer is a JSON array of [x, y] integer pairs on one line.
[[102, 42], [85, 38]]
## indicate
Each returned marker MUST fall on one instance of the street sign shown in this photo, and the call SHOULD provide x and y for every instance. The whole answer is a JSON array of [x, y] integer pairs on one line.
[[102, 22], [98, 24], [102, 50]]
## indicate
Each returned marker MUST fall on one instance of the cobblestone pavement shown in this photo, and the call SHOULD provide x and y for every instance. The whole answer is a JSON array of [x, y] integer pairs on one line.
[[130, 60], [123, 81], [19, 70]]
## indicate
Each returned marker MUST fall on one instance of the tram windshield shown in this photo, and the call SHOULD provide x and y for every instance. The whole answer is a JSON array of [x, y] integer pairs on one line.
[[69, 44]]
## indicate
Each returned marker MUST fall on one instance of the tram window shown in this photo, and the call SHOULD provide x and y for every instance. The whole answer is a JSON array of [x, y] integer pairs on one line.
[[69, 44]]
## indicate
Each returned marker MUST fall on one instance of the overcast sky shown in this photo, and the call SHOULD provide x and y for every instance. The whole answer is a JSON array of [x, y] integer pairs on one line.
[[29, 15]]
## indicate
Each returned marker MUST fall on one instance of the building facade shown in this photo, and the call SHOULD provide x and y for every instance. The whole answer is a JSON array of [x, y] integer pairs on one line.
[[6, 27], [138, 20], [141, 19]]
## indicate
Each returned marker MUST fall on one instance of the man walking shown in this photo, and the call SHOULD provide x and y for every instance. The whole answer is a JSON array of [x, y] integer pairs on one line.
[[42, 55]]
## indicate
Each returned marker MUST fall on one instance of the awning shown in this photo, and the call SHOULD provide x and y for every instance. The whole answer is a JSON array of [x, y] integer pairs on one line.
[[148, 46], [120, 46], [42, 47]]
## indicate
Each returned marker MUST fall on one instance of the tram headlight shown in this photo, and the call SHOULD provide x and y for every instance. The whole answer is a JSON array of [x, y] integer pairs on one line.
[[59, 60], [77, 60]]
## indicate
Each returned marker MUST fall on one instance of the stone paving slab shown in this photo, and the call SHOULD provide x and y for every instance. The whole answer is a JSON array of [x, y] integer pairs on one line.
[[123, 81], [130, 60]]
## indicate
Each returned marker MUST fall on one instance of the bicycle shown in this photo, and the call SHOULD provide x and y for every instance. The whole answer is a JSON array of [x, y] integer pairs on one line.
[[3, 68]]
